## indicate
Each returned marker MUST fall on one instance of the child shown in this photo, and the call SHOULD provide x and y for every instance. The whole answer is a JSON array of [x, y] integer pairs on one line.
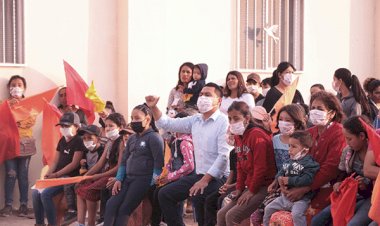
[[297, 172], [253, 84], [90, 135], [194, 87], [352, 161], [180, 164], [139, 168], [70, 150], [90, 191]]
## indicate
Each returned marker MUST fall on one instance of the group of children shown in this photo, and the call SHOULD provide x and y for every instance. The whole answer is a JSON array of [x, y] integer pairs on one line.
[[315, 148]]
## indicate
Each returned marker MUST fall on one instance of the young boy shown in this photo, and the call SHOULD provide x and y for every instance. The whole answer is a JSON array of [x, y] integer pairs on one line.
[[91, 140], [195, 86], [253, 85], [299, 171]]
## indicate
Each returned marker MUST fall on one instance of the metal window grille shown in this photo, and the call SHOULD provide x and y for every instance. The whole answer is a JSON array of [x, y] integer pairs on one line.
[[12, 32], [268, 32]]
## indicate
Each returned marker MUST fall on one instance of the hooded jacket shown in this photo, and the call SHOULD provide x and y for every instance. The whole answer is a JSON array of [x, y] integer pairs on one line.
[[196, 86]]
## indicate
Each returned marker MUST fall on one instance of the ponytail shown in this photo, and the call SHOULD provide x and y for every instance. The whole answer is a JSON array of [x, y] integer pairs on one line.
[[360, 95]]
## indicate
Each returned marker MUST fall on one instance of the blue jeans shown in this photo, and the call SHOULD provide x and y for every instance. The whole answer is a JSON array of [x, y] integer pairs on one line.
[[17, 168], [360, 217], [43, 204]]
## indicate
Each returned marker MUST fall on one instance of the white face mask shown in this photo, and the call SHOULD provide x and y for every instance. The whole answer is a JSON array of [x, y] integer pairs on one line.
[[288, 79], [252, 89], [299, 155], [318, 117], [237, 128], [335, 86], [16, 92], [286, 128], [204, 104], [67, 132], [265, 91], [90, 145], [113, 134]]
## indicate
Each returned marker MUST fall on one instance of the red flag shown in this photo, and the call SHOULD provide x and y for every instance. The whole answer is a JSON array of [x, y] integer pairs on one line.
[[9, 137], [50, 132], [76, 90], [374, 212], [343, 202], [32, 105], [374, 141]]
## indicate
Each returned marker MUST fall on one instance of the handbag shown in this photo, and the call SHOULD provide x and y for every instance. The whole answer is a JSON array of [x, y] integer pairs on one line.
[[27, 146]]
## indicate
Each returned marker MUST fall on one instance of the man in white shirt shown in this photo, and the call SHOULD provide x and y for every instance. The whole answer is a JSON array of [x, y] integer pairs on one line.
[[211, 151]]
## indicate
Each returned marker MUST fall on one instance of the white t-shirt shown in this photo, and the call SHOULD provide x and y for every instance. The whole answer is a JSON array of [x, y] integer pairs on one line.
[[227, 101]]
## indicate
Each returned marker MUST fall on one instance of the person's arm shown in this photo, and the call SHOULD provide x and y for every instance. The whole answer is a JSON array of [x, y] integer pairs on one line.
[[71, 166], [328, 166], [187, 151], [53, 165], [241, 177], [306, 177], [156, 145], [370, 169]]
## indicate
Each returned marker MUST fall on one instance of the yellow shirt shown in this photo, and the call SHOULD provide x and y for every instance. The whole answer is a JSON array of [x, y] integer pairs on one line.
[[25, 129]]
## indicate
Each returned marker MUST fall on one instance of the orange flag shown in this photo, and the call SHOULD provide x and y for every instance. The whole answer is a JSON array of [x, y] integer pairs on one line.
[[167, 156], [374, 212], [32, 105], [285, 99], [76, 92], [50, 132], [46, 183], [9, 137]]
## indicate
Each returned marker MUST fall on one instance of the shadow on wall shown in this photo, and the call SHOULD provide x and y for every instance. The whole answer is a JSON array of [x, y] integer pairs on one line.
[[36, 83]]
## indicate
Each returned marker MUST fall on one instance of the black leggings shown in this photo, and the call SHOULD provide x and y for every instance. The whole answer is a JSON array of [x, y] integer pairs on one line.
[[121, 206]]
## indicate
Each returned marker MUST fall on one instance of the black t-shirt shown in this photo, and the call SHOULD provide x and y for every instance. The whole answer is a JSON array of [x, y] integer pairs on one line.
[[66, 150], [274, 94]]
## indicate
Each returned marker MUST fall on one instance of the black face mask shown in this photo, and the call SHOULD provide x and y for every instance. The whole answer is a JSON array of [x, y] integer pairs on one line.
[[137, 127]]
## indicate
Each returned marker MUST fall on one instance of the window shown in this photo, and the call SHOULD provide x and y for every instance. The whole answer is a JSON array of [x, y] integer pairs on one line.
[[11, 32], [268, 32]]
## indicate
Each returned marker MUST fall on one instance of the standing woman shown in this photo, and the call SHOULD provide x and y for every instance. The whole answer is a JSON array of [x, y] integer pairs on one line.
[[326, 115], [352, 97], [235, 90], [18, 168], [255, 164], [140, 166], [282, 78], [185, 75]]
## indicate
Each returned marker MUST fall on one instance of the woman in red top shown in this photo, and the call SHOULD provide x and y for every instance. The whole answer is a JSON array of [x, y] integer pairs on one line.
[[255, 162], [326, 115]]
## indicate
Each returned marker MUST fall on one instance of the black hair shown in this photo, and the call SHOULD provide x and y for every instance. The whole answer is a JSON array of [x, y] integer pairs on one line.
[[146, 110], [17, 77], [109, 105], [304, 137], [297, 113], [373, 85], [366, 82], [331, 102], [218, 90], [352, 83], [188, 64], [118, 119], [354, 126], [181, 114], [267, 81], [241, 84], [319, 86], [281, 67]]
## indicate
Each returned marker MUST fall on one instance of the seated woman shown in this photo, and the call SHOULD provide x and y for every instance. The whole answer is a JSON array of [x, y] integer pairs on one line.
[[352, 161], [70, 150], [89, 191]]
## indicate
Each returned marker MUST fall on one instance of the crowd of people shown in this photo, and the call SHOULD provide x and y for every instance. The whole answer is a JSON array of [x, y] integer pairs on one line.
[[232, 155]]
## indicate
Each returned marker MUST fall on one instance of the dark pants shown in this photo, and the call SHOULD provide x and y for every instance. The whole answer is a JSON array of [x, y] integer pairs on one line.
[[176, 192], [105, 194], [121, 206], [212, 205]]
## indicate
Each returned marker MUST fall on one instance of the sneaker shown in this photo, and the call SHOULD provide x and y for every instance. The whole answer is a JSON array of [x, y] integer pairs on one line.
[[23, 211], [70, 217], [6, 211]]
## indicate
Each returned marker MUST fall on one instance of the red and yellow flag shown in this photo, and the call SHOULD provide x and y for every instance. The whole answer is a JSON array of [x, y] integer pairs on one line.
[[50, 132], [285, 99], [91, 94], [9, 136], [76, 89], [33, 105]]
